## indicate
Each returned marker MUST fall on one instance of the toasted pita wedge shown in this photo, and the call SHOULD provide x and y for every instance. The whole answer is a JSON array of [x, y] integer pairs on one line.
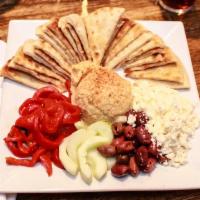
[[42, 52], [27, 79], [50, 33], [151, 52], [155, 45], [26, 64], [100, 26], [155, 60], [128, 38], [123, 26], [74, 30], [170, 84], [133, 46], [171, 72]]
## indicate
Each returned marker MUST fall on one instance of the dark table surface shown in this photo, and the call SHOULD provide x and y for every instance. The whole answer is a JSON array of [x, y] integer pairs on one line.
[[139, 9]]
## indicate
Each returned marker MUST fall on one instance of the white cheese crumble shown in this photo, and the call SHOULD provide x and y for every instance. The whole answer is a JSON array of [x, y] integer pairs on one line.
[[172, 119], [131, 119]]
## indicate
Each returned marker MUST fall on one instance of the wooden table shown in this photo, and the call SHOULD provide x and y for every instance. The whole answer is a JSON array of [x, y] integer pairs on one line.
[[139, 9]]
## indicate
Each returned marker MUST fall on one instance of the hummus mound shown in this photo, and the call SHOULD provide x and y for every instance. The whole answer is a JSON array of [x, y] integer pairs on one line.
[[102, 94]]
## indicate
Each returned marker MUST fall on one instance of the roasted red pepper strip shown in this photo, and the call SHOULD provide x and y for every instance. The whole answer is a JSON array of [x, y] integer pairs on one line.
[[29, 106], [19, 144], [46, 161], [55, 158], [45, 142], [26, 162], [72, 114], [49, 92], [52, 118]]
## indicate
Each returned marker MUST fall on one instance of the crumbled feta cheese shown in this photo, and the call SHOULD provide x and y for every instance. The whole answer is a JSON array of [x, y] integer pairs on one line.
[[172, 119], [131, 120]]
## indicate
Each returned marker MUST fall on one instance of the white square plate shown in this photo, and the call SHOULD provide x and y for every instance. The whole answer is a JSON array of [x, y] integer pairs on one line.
[[22, 179]]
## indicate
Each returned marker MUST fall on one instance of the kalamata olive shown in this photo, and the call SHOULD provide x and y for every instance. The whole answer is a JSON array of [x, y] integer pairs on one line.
[[119, 170], [118, 140], [143, 135], [122, 159], [107, 150], [141, 118], [133, 167], [150, 166], [125, 147], [142, 156], [117, 128], [129, 132], [153, 149]]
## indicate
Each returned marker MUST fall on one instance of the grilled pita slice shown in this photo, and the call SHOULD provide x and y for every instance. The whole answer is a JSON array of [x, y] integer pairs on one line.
[[133, 46], [128, 38], [50, 33], [44, 53], [123, 26], [155, 60], [155, 45], [26, 64], [171, 72], [170, 84], [100, 26], [74, 30], [27, 79]]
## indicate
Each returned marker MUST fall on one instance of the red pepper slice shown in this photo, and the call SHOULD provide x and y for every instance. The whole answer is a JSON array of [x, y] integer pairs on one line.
[[29, 106], [49, 92], [46, 161], [29, 120], [55, 158], [26, 162], [46, 142], [19, 144], [72, 114], [52, 118]]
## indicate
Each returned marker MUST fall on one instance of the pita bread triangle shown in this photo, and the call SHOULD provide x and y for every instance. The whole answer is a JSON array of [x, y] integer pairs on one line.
[[30, 65], [131, 47], [42, 52], [74, 30], [100, 26], [128, 38], [27, 79], [123, 26], [171, 73], [154, 60]]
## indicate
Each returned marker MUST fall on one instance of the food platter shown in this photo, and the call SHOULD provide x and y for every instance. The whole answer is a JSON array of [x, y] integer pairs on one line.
[[14, 179]]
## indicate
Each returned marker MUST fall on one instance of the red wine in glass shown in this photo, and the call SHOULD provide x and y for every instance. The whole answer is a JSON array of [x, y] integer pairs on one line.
[[177, 6]]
